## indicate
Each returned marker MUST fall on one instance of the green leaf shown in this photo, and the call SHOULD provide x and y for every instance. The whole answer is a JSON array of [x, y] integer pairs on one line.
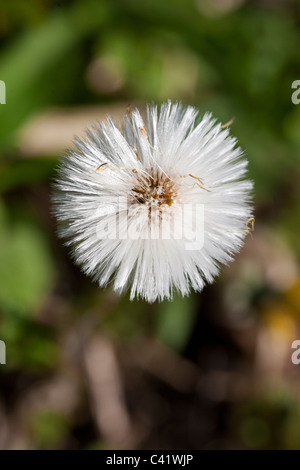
[[175, 320], [26, 267]]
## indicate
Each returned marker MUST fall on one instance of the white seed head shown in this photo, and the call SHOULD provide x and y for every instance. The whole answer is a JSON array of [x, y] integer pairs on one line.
[[129, 201]]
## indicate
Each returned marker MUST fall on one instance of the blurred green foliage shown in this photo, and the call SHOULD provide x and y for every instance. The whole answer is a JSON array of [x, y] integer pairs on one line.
[[239, 61], [270, 419]]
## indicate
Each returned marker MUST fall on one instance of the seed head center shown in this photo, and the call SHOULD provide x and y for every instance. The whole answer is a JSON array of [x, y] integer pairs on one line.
[[154, 188]]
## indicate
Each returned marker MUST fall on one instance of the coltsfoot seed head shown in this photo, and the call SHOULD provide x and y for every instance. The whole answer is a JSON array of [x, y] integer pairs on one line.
[[175, 170]]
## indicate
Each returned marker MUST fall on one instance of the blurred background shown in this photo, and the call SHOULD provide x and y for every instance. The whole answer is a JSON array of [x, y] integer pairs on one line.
[[86, 369]]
